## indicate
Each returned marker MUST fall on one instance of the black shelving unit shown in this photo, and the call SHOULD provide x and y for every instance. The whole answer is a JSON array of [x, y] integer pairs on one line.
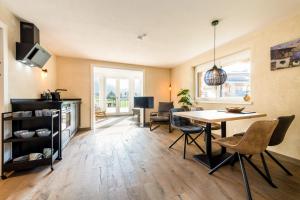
[[35, 144]]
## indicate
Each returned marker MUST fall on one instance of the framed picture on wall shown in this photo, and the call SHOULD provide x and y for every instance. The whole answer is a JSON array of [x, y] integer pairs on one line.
[[285, 55]]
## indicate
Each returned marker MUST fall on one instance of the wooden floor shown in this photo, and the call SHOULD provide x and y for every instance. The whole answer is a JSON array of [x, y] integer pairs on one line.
[[121, 161]]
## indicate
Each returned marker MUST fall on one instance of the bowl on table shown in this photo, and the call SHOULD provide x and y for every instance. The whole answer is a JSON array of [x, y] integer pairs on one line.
[[43, 132], [235, 109]]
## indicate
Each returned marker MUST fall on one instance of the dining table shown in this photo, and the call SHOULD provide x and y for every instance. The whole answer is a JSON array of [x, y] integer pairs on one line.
[[215, 116]]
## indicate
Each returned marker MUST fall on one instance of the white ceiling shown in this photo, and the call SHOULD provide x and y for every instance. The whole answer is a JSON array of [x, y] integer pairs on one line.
[[177, 30]]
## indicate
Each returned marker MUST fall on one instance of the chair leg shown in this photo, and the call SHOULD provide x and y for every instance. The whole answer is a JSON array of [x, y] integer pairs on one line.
[[170, 128], [233, 160], [193, 139], [278, 163], [151, 124], [250, 156], [176, 141], [184, 148], [220, 164], [246, 184], [265, 166], [196, 144], [260, 172]]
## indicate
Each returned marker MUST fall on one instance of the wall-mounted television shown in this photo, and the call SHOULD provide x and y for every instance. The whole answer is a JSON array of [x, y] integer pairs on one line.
[[143, 102]]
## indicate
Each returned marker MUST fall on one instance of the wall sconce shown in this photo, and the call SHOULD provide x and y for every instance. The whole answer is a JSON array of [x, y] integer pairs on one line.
[[44, 73]]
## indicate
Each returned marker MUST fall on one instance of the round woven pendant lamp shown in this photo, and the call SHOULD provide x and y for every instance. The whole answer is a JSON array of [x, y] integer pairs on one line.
[[215, 76]]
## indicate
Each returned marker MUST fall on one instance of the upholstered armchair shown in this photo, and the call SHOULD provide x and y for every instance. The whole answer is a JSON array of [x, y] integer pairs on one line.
[[162, 116]]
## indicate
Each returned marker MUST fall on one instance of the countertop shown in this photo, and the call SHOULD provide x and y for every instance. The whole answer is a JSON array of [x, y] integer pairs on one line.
[[16, 101]]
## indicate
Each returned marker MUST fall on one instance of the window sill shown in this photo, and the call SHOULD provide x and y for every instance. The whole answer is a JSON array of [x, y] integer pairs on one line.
[[224, 102]]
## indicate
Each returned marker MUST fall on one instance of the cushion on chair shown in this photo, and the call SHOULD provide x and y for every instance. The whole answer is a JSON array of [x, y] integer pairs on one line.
[[190, 129], [160, 118]]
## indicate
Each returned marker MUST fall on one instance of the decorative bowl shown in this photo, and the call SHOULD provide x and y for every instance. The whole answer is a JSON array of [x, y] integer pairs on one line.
[[27, 134], [19, 133], [27, 114], [17, 114], [43, 132], [47, 112], [21, 158], [35, 156], [235, 109], [38, 113], [47, 152]]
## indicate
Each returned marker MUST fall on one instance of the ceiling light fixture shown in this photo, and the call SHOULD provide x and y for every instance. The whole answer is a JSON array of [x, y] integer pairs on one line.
[[215, 76], [141, 37]]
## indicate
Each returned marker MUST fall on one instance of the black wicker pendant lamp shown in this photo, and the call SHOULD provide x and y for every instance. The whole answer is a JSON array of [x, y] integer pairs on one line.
[[215, 76]]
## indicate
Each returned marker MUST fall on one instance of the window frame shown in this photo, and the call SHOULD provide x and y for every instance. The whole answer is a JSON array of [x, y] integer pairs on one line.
[[224, 61]]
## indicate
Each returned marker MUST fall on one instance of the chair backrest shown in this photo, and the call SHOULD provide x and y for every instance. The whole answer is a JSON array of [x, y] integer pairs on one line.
[[165, 106], [176, 120], [257, 137], [278, 135]]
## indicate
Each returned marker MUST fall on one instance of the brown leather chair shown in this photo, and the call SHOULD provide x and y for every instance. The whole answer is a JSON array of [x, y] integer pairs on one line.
[[254, 141], [162, 116], [277, 138]]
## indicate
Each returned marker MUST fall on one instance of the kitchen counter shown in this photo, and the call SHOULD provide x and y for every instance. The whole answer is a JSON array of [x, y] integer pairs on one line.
[[42, 100]]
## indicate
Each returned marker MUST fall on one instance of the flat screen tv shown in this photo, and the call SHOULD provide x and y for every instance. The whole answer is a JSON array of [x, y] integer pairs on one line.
[[143, 102]]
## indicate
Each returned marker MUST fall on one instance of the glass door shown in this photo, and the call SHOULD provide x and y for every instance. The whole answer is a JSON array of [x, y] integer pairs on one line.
[[118, 96], [111, 95], [124, 96]]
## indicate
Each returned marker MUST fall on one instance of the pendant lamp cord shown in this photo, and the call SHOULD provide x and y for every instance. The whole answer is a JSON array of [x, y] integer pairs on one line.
[[214, 45]]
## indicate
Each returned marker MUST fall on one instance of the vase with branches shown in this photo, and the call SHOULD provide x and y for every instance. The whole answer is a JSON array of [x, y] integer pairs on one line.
[[184, 98]]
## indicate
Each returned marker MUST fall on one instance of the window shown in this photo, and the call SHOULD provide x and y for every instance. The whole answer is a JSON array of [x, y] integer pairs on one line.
[[238, 69], [137, 87]]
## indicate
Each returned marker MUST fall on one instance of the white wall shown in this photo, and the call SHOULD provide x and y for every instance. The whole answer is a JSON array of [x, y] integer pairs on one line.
[[273, 92]]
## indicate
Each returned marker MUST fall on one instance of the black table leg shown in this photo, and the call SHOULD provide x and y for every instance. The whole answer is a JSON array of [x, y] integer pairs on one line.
[[208, 143], [223, 134], [208, 159]]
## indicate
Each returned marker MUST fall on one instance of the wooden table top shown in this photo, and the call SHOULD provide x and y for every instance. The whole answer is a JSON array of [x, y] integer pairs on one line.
[[210, 116]]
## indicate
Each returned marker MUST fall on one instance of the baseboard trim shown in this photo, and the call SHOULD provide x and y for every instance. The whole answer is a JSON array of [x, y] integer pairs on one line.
[[285, 158], [85, 129]]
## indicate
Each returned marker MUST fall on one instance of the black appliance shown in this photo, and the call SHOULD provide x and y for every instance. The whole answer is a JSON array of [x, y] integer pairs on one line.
[[56, 95], [29, 51], [144, 102]]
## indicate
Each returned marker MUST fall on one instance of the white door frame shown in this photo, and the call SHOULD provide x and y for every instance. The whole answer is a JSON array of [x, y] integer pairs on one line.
[[111, 66]]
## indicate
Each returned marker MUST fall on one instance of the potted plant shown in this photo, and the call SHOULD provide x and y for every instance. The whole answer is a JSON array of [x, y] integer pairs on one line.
[[185, 98]]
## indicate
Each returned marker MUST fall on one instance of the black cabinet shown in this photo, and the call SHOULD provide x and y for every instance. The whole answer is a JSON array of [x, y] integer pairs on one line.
[[34, 144], [69, 111]]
